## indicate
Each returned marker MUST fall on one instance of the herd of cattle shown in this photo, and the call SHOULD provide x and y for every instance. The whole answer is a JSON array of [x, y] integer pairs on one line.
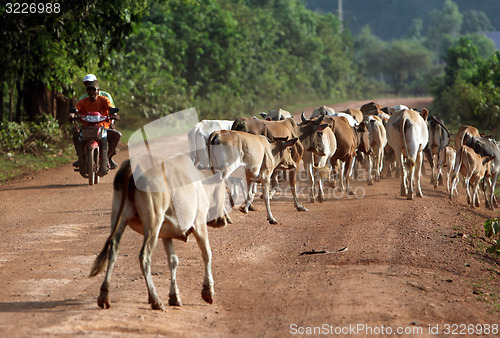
[[172, 201]]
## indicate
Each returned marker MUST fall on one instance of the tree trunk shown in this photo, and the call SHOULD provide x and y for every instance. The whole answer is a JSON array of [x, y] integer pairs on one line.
[[36, 101], [2, 93], [11, 94], [63, 104], [19, 101]]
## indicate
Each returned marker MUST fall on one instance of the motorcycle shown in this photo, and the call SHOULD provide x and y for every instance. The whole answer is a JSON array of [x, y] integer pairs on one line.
[[93, 157]]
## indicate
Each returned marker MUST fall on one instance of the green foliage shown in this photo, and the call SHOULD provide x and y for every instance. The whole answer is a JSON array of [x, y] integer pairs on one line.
[[45, 50], [29, 137], [228, 58], [475, 21], [469, 93], [492, 228]]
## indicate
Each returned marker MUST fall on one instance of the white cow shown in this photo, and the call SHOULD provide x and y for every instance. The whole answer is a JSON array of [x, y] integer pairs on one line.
[[407, 135], [446, 159], [170, 200], [398, 107], [276, 115], [198, 137], [320, 165], [323, 110]]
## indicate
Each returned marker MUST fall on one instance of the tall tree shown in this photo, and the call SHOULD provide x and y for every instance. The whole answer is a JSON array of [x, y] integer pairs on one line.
[[444, 24], [475, 21]]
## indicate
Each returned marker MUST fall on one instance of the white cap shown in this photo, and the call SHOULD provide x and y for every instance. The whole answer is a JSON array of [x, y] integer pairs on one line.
[[89, 78]]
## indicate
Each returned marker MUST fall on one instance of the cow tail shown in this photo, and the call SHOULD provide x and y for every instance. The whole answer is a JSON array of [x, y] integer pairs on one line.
[[458, 162], [409, 160], [122, 181], [213, 139]]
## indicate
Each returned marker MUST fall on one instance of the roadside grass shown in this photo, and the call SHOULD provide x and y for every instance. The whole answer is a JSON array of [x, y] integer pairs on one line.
[[14, 165]]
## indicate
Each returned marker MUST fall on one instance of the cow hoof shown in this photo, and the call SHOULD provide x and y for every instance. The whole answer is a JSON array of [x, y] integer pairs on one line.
[[272, 221], [252, 208], [370, 182], [301, 208], [174, 300], [158, 306], [244, 210], [409, 197], [207, 295], [103, 304], [351, 193], [321, 199], [103, 300]]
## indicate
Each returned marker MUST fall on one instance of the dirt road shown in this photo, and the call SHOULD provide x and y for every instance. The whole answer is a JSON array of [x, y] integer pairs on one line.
[[390, 266]]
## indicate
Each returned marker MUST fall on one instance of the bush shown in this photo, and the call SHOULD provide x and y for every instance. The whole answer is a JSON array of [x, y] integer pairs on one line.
[[491, 228], [31, 137]]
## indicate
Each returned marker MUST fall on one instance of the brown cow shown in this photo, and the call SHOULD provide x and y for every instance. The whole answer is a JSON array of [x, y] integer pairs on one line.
[[230, 149], [367, 107], [349, 140]]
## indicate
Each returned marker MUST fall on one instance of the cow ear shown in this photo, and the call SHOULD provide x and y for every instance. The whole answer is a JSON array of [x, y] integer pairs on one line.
[[321, 127], [263, 115], [290, 142], [425, 114], [281, 139]]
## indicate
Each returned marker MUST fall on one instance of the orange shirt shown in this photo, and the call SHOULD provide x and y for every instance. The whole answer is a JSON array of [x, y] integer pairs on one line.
[[101, 104]]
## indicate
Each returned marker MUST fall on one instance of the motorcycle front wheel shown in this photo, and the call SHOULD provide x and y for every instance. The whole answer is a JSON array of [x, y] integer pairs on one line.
[[93, 166]]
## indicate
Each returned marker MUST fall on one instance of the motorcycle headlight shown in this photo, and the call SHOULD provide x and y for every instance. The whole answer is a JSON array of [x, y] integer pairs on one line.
[[93, 118]]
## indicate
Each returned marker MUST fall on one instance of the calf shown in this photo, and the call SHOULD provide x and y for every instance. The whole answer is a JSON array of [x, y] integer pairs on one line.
[[447, 160], [407, 135], [230, 149], [473, 167], [170, 200], [378, 140], [484, 146], [439, 138]]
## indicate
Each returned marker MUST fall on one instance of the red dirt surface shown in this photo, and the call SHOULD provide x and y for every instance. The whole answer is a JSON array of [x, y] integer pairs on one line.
[[389, 264]]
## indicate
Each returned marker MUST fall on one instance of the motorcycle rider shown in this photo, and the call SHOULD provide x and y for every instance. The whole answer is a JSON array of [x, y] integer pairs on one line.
[[91, 78], [102, 104], [88, 79]]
